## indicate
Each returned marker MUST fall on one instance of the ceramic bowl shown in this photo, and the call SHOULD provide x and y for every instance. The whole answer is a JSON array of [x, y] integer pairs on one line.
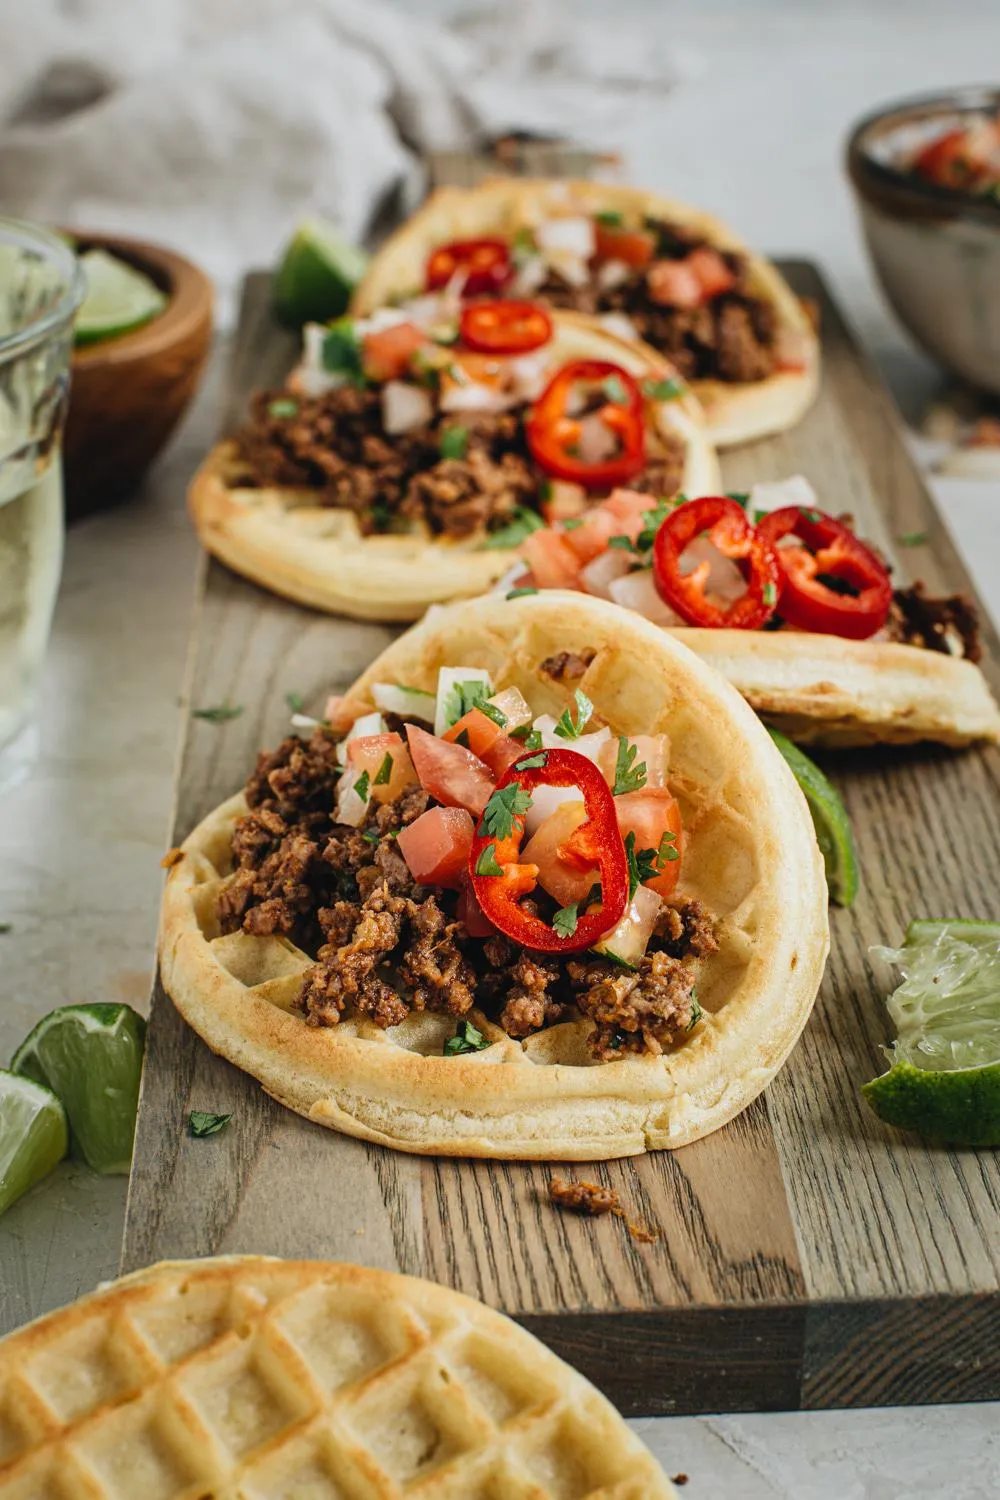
[[128, 393], [936, 251]]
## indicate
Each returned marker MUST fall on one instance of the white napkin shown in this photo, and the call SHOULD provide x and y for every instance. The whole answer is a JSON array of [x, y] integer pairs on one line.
[[213, 126]]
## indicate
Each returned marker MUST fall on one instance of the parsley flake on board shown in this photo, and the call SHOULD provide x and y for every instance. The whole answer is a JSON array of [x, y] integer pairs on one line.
[[361, 786], [283, 407], [454, 442], [566, 727], [6, 927], [384, 773], [628, 776], [614, 388], [200, 1123], [221, 713], [532, 737], [520, 593], [467, 1038], [487, 863], [506, 804], [664, 390], [341, 353], [913, 539], [295, 702], [513, 534]]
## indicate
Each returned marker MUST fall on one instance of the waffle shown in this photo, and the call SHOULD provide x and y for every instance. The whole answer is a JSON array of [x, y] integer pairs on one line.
[[256, 1379], [318, 556], [735, 412], [750, 855]]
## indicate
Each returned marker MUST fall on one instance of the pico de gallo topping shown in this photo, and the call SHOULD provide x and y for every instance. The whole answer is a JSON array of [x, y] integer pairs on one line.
[[588, 425], [964, 158], [724, 522]]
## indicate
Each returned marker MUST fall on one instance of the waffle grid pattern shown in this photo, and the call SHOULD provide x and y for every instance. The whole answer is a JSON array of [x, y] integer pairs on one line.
[[306, 1382]]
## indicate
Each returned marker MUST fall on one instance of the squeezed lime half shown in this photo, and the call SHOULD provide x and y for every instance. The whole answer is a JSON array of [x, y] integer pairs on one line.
[[119, 298], [944, 1082], [33, 1135], [834, 833], [91, 1057], [318, 272]]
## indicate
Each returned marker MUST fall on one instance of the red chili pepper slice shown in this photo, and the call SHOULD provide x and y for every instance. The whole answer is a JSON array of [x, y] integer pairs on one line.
[[505, 327], [727, 526], [833, 583], [553, 432], [497, 840], [486, 263]]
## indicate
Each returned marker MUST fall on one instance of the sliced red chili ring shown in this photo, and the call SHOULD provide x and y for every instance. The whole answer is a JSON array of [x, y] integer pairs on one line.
[[486, 264], [499, 879], [505, 327], [832, 583], [727, 526], [554, 433]]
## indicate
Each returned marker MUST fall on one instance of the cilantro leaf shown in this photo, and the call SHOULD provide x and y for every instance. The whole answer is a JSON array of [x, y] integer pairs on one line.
[[641, 864], [283, 407], [295, 702], [564, 921], [652, 520], [628, 776], [454, 442], [462, 738], [221, 713], [666, 851], [530, 763], [742, 497], [664, 390], [814, 516], [384, 773], [519, 593], [467, 1038], [200, 1123], [371, 837], [463, 697], [532, 737], [506, 804], [610, 218], [487, 863], [6, 927], [770, 594], [614, 388], [341, 354], [696, 1012], [361, 786], [512, 535], [568, 729], [623, 543]]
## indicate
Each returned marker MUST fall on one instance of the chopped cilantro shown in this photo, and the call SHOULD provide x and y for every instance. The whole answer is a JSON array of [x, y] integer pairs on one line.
[[342, 351], [283, 407], [545, 490], [361, 786], [462, 738], [666, 853], [770, 594], [520, 593], [523, 242], [531, 737], [487, 863], [531, 763], [759, 515], [741, 497], [380, 514], [384, 773], [664, 390], [295, 702], [814, 516], [572, 522], [622, 543], [628, 776], [652, 520], [569, 729], [454, 442], [220, 714], [913, 539], [466, 696], [513, 534], [467, 1038], [610, 218], [6, 927], [614, 388], [564, 921], [506, 804], [641, 864], [492, 712], [371, 837], [696, 1012], [201, 1123]]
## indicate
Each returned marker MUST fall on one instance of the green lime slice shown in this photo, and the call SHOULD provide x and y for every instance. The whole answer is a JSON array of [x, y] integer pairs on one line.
[[944, 1082], [91, 1056], [119, 298], [318, 272], [834, 833], [33, 1136]]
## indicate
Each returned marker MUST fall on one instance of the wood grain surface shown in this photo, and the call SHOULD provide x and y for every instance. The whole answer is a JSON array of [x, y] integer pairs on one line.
[[807, 1255]]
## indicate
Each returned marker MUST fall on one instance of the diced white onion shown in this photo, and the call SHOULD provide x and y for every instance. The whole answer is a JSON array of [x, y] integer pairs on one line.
[[724, 582], [447, 678], [381, 318], [473, 396], [514, 706], [628, 941], [773, 494], [573, 269], [589, 745], [529, 373], [305, 721], [602, 571], [638, 591], [404, 407], [511, 578], [573, 236], [531, 272], [791, 349], [310, 376], [409, 703], [351, 808], [619, 324], [596, 441], [544, 801], [611, 274], [367, 724]]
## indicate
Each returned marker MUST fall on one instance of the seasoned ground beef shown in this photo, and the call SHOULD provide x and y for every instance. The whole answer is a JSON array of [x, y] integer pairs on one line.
[[568, 666], [644, 1010], [949, 625]]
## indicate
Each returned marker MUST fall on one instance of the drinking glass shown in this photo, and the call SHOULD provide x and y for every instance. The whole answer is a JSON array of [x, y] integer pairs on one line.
[[41, 286]]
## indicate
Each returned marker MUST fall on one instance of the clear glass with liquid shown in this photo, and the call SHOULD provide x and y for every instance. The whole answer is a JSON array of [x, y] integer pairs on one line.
[[40, 290]]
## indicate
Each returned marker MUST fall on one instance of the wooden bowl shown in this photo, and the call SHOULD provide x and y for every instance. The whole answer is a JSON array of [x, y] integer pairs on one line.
[[128, 393]]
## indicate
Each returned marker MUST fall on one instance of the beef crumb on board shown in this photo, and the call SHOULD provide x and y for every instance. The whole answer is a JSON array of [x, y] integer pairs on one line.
[[594, 1200]]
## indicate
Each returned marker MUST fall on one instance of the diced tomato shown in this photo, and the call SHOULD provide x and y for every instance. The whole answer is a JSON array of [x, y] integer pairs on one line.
[[713, 274], [563, 879], [475, 730], [471, 915], [452, 774], [635, 247], [630, 506], [553, 562], [388, 353], [484, 369], [340, 713], [436, 846], [672, 283], [368, 753], [651, 751], [565, 501], [649, 814], [503, 752], [621, 514]]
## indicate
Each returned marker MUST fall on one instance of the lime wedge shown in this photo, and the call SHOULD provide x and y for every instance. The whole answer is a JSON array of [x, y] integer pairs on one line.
[[33, 1136], [91, 1056], [318, 272], [119, 298], [834, 833], [944, 1082]]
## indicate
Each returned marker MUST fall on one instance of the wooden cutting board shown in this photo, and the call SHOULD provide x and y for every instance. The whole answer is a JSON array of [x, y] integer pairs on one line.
[[807, 1256]]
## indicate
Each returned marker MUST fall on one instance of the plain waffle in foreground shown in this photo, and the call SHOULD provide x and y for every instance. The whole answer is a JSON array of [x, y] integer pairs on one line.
[[257, 1379]]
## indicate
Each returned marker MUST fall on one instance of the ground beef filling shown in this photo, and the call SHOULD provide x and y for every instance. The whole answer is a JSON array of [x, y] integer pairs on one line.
[[731, 338], [385, 947], [949, 625], [335, 447]]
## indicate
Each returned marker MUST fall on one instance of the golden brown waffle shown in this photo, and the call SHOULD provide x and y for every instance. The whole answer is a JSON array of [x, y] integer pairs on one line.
[[751, 856], [253, 1379]]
